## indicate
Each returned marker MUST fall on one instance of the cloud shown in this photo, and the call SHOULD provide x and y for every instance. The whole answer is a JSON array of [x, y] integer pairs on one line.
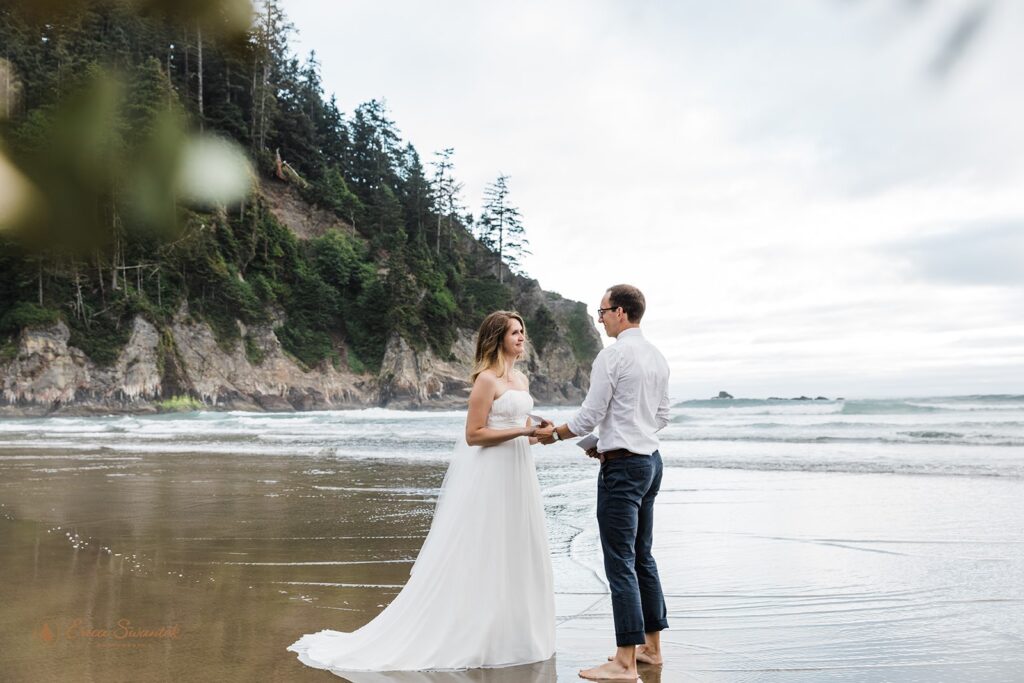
[[973, 255], [805, 208]]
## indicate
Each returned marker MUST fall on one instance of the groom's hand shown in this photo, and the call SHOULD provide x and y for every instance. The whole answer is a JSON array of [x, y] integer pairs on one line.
[[543, 433]]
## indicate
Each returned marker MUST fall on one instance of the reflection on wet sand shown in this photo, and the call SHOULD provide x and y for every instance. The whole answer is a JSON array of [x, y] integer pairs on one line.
[[240, 555], [195, 567], [541, 672]]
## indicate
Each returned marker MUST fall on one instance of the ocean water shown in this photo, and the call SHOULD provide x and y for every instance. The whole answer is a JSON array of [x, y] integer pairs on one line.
[[858, 540], [964, 435]]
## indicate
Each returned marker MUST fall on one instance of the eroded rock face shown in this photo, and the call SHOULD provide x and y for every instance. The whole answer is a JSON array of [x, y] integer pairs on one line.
[[184, 359], [556, 378], [47, 374], [410, 378], [222, 378], [46, 370]]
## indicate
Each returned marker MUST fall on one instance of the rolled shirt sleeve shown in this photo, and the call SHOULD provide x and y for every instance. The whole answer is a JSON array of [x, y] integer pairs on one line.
[[602, 384]]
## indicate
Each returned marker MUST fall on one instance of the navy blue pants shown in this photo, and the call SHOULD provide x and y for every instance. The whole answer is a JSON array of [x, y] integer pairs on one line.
[[625, 516]]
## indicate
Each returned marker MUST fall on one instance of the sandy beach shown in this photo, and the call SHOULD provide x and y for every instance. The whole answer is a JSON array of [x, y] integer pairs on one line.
[[205, 566]]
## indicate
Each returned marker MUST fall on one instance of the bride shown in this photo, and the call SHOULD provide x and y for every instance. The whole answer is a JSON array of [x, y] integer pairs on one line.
[[480, 593]]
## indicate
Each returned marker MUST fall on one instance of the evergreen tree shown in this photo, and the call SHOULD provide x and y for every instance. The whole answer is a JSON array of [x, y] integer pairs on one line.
[[333, 135], [269, 47], [501, 227], [416, 196], [294, 134], [374, 153], [102, 146], [447, 201]]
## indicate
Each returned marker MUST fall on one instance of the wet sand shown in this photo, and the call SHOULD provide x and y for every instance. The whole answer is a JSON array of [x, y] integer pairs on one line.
[[171, 567]]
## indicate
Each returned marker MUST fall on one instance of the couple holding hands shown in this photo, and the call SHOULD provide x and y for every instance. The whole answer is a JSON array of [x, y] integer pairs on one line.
[[480, 593]]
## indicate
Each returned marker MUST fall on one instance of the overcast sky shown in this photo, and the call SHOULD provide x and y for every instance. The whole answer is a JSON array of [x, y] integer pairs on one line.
[[816, 196]]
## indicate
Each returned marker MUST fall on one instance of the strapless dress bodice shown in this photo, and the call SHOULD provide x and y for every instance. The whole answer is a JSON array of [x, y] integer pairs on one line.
[[510, 409]]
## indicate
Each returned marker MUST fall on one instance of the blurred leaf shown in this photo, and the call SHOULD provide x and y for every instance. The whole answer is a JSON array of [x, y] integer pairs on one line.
[[10, 89], [214, 172], [18, 197], [226, 18]]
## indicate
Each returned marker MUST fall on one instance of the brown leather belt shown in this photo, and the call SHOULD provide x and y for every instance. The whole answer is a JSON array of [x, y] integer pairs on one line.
[[615, 455]]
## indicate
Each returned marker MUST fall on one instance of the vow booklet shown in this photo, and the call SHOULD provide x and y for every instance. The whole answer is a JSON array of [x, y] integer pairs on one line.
[[535, 419], [587, 442]]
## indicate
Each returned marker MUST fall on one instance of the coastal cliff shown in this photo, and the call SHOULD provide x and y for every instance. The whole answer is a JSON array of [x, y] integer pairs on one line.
[[49, 376], [158, 367], [245, 246]]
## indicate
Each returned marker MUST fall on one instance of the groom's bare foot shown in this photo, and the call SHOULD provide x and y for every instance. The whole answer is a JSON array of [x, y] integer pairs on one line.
[[612, 671], [644, 656]]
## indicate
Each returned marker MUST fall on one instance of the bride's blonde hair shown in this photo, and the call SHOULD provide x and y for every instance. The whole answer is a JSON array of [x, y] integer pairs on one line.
[[488, 342]]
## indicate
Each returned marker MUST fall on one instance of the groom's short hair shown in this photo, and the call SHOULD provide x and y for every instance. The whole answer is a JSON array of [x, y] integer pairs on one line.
[[630, 298]]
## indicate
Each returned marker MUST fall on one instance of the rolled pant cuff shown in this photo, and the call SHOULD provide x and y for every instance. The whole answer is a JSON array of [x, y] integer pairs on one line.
[[656, 626], [630, 638]]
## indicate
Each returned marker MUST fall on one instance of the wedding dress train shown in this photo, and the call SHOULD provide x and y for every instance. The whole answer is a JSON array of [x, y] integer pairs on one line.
[[480, 593]]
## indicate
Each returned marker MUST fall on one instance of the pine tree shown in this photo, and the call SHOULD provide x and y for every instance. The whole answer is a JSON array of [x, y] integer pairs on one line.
[[416, 196], [269, 44], [105, 83], [501, 227], [446, 193], [374, 150]]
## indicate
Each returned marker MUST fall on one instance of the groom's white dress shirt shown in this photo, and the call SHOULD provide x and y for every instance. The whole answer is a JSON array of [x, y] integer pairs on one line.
[[628, 398]]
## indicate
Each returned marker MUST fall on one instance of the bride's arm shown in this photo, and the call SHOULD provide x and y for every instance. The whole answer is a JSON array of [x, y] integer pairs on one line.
[[480, 400]]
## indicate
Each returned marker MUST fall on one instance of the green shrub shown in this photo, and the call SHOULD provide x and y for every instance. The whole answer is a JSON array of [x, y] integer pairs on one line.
[[482, 297], [8, 349], [541, 328], [309, 346], [179, 404], [355, 365], [253, 351], [26, 314], [580, 336]]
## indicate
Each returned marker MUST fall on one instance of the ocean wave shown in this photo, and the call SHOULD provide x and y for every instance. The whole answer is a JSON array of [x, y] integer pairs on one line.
[[752, 409], [894, 406], [932, 435], [976, 469], [923, 437]]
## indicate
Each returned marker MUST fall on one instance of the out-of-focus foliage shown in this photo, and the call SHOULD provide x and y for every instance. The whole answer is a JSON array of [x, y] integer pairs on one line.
[[230, 19], [132, 134]]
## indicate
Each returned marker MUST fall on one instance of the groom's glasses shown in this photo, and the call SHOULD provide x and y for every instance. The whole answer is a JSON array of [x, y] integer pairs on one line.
[[601, 311]]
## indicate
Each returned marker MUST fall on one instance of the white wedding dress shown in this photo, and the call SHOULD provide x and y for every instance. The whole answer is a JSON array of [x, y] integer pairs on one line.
[[480, 593]]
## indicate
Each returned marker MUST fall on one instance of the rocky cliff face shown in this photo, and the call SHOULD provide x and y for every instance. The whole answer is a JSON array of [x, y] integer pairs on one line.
[[411, 379], [184, 360]]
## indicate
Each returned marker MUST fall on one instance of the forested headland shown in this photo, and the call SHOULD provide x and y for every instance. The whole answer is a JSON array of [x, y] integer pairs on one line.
[[190, 219]]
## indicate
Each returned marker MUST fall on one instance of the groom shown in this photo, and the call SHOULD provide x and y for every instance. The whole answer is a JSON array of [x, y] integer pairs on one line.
[[628, 403]]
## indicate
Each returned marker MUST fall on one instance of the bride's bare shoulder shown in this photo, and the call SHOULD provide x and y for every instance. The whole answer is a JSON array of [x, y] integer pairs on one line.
[[485, 381]]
